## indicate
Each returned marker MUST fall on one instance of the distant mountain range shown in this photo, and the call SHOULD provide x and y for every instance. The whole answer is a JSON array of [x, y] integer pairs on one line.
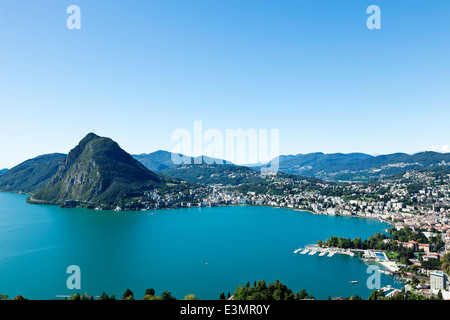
[[359, 166], [330, 167]]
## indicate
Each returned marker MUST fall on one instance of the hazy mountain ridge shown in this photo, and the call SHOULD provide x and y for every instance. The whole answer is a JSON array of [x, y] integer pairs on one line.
[[359, 166], [160, 160], [156, 161]]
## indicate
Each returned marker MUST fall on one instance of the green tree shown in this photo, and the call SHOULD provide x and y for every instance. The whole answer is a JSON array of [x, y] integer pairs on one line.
[[357, 243], [277, 294], [445, 263], [75, 297], [128, 295], [149, 292], [376, 295], [104, 296], [274, 291], [84, 296], [166, 295]]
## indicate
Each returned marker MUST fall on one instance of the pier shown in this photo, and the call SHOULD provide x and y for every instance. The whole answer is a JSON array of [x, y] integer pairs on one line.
[[329, 252]]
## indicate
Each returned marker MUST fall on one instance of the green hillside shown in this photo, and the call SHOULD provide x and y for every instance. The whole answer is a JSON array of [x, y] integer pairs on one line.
[[32, 174], [214, 174]]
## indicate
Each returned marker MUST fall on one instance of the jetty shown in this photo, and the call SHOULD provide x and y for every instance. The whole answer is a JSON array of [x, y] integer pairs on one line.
[[312, 250]]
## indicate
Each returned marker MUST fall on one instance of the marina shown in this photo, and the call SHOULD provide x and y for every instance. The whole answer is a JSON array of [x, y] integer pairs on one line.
[[376, 256], [329, 252], [372, 255]]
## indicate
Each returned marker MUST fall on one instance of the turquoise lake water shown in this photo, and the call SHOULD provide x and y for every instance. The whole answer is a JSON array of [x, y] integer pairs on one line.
[[201, 251]]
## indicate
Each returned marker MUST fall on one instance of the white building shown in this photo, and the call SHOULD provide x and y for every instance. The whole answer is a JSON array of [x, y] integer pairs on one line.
[[437, 280]]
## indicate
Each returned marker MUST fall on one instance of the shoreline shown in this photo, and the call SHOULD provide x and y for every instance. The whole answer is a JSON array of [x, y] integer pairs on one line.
[[36, 202]]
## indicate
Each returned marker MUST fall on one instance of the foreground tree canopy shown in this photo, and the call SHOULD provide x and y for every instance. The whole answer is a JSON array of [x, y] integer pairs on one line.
[[274, 291]]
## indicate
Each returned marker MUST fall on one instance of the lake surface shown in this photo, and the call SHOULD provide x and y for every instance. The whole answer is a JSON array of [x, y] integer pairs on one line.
[[201, 251]]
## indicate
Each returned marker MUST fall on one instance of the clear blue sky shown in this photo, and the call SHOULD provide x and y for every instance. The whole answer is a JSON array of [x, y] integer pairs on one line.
[[138, 70]]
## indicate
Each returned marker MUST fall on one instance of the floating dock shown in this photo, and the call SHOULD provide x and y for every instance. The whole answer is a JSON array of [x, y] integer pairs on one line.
[[313, 251], [329, 252]]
